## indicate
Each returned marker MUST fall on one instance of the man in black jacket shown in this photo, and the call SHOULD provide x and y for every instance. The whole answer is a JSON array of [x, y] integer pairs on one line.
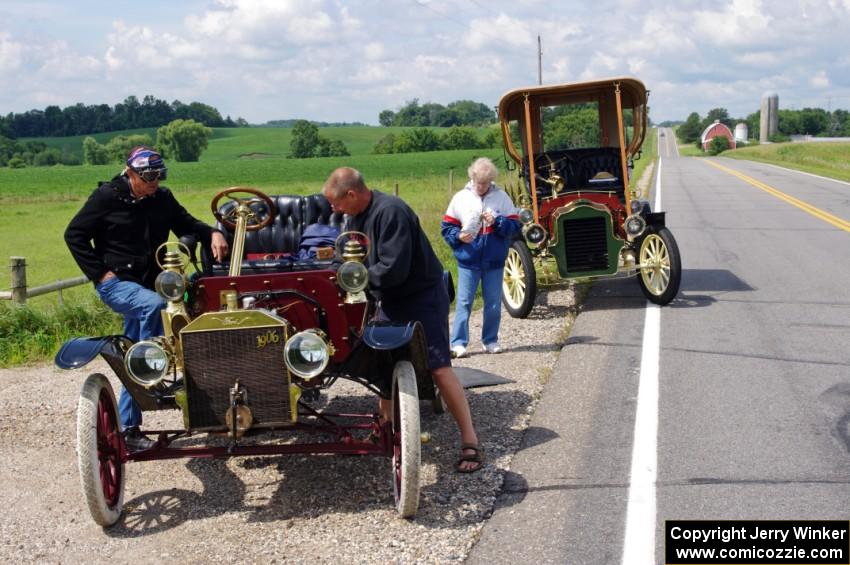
[[406, 276], [113, 239]]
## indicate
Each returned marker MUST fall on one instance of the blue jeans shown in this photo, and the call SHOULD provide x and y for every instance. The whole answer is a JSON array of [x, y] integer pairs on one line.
[[491, 291], [140, 307]]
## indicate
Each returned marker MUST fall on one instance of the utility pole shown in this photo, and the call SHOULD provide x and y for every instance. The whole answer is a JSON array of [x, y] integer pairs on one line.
[[539, 61]]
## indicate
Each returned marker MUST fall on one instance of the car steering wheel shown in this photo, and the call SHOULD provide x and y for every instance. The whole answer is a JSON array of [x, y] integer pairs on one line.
[[245, 203]]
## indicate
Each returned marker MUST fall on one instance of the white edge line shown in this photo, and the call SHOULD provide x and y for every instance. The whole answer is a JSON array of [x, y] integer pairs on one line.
[[639, 538], [639, 544]]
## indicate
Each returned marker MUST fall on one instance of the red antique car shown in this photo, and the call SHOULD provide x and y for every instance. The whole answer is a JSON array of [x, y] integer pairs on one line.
[[246, 344]]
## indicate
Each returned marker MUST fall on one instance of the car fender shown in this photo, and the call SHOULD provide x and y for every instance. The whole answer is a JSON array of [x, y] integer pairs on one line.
[[80, 351], [655, 219], [384, 343]]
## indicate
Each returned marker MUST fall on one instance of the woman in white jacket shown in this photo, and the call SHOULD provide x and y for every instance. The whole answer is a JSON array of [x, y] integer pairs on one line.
[[479, 225]]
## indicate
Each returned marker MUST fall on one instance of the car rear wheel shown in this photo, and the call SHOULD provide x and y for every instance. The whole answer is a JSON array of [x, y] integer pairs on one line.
[[99, 450], [519, 283], [660, 266], [406, 440]]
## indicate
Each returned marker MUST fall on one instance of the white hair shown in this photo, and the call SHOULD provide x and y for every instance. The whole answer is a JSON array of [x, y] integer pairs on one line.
[[482, 170]]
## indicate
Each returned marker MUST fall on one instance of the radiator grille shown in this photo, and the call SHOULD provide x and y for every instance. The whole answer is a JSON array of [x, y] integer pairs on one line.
[[214, 359], [586, 242]]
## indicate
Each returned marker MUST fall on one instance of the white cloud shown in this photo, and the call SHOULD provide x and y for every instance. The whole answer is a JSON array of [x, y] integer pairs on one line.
[[335, 60], [278, 21], [374, 51], [820, 80], [11, 53], [501, 30]]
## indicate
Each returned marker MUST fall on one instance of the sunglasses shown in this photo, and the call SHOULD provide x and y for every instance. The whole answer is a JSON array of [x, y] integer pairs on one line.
[[151, 175]]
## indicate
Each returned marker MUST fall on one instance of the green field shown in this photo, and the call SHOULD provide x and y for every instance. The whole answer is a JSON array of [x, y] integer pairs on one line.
[[829, 159], [249, 143], [37, 203]]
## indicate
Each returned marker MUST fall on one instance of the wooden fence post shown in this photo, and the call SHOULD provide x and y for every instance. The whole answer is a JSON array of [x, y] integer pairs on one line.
[[18, 265], [451, 180], [395, 189]]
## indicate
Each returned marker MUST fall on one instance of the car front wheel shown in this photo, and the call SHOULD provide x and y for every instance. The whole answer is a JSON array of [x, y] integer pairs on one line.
[[406, 440], [519, 283], [660, 266], [99, 450]]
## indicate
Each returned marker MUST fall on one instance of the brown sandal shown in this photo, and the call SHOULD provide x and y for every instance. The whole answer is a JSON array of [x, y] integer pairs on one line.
[[477, 457]]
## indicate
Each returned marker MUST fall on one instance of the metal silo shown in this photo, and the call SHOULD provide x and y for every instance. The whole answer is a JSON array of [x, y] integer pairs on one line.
[[741, 132], [769, 122]]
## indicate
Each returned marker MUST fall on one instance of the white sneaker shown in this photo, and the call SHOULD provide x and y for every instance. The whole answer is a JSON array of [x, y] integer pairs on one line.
[[458, 351], [493, 347]]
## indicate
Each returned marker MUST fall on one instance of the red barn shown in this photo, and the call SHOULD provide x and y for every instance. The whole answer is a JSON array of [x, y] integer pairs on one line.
[[715, 130]]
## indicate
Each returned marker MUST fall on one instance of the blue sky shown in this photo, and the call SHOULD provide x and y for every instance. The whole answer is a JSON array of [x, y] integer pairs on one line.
[[346, 61]]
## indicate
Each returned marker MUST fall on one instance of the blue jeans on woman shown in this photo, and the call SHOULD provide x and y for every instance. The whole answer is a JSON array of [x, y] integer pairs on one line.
[[140, 307], [491, 291]]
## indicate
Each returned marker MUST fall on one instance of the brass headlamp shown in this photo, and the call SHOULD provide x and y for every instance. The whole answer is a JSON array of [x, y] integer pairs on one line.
[[170, 284], [353, 276]]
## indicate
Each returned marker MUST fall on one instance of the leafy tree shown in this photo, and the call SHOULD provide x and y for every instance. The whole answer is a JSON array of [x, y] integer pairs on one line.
[[94, 153], [17, 163], [385, 118], [307, 142], [691, 130], [305, 138], [472, 113], [47, 158], [493, 137], [385, 145], [718, 145], [330, 148], [813, 121], [120, 146], [183, 140], [716, 114], [416, 140], [570, 131], [460, 138]]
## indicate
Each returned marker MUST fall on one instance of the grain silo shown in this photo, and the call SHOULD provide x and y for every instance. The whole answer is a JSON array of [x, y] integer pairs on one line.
[[769, 123], [741, 132]]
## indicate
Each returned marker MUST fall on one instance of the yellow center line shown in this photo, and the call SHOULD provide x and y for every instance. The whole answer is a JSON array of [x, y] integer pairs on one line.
[[816, 212]]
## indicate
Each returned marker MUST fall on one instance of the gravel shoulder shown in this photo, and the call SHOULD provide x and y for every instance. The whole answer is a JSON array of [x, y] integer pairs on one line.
[[269, 509]]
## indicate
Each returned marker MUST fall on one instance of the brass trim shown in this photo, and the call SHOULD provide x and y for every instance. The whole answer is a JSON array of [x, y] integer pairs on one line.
[[553, 237], [530, 152], [621, 133]]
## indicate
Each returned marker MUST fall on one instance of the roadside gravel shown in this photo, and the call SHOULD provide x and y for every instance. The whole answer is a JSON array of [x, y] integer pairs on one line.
[[292, 509]]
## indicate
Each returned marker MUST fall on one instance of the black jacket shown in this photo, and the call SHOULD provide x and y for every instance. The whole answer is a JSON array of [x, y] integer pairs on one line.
[[401, 261], [115, 232]]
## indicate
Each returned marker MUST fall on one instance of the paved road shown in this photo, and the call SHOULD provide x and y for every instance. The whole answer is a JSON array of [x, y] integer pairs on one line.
[[753, 379]]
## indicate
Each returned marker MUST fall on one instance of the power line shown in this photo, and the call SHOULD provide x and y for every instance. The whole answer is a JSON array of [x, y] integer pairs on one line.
[[441, 14]]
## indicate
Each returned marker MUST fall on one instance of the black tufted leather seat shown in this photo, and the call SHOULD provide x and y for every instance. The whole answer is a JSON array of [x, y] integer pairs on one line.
[[602, 160], [284, 234]]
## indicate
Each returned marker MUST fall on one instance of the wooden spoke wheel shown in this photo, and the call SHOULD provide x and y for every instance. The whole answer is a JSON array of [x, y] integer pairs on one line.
[[99, 447], [406, 440], [519, 283], [660, 266]]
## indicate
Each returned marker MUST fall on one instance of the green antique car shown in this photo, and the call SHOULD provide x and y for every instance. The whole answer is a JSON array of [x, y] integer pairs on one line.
[[574, 145]]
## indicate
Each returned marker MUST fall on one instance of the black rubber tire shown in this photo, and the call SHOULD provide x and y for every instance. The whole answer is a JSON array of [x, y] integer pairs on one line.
[[407, 443], [519, 283], [99, 450], [660, 280]]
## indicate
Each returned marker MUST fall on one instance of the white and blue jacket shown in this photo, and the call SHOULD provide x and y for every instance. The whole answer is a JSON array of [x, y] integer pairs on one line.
[[490, 247]]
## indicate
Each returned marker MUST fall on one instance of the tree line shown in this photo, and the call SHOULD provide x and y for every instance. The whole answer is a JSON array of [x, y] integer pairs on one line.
[[808, 121], [81, 119], [423, 139], [457, 113]]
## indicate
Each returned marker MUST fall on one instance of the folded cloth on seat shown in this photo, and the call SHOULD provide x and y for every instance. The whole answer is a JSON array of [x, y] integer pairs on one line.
[[314, 237]]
